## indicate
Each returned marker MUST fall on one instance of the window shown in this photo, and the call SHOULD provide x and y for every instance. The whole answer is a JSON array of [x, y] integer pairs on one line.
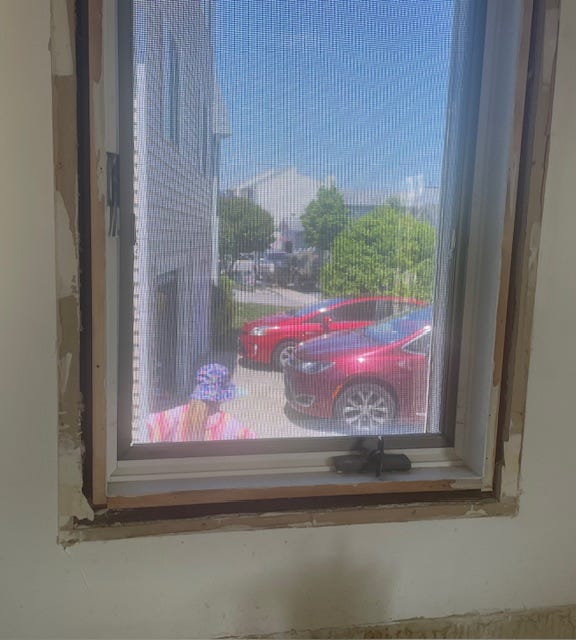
[[359, 311], [407, 212]]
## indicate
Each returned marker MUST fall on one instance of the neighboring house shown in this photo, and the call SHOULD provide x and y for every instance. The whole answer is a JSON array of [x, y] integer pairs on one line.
[[178, 122], [285, 194], [360, 202], [420, 200]]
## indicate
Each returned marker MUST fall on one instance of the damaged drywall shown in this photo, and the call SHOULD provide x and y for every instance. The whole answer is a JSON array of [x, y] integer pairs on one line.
[[72, 502], [545, 622], [60, 40]]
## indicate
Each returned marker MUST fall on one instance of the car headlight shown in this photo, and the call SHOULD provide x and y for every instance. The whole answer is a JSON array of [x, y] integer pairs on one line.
[[259, 331], [315, 367]]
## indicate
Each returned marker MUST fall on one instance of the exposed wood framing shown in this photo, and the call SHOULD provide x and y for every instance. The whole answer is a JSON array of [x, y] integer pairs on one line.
[[525, 246], [113, 526], [98, 249], [510, 213], [71, 500]]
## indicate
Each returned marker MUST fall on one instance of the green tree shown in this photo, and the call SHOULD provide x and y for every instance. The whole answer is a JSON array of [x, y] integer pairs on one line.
[[325, 217], [386, 252], [244, 227]]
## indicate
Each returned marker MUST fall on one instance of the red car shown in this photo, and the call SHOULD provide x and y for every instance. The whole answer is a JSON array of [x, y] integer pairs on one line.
[[272, 339], [366, 378]]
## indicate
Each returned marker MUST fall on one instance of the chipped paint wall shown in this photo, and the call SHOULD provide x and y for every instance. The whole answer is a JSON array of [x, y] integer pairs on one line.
[[246, 582]]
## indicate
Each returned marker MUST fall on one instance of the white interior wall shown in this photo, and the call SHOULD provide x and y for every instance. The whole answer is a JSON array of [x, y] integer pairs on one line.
[[238, 583]]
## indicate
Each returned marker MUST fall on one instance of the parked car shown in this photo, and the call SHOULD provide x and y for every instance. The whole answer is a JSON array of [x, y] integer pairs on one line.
[[305, 266], [365, 378], [272, 339], [274, 268], [244, 273]]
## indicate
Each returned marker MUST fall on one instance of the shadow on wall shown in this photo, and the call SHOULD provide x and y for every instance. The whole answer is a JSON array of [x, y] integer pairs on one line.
[[334, 591]]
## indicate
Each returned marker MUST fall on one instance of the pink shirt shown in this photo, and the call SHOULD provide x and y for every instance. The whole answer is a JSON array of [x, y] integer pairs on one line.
[[167, 426]]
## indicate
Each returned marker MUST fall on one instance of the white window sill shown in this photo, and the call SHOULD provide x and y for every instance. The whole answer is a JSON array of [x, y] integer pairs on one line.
[[157, 492]]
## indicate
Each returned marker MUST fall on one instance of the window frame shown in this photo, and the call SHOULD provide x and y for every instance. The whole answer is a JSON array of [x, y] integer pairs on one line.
[[96, 432], [244, 452]]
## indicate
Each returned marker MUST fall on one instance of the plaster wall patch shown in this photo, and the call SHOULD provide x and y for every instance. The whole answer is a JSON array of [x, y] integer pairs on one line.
[[73, 503], [60, 44], [511, 470], [64, 370], [66, 252]]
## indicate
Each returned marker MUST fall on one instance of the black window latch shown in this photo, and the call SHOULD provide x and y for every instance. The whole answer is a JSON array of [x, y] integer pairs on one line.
[[371, 461]]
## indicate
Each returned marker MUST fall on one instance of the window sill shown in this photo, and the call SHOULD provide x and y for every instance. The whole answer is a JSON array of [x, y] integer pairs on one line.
[[117, 523], [138, 493]]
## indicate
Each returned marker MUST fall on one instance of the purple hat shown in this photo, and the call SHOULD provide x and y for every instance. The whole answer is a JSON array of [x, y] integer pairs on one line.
[[213, 384]]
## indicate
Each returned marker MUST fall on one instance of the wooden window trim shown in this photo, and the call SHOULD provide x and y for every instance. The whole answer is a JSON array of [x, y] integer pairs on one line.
[[515, 312]]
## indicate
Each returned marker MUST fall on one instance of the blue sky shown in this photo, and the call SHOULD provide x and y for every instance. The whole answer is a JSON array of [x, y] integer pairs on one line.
[[355, 89]]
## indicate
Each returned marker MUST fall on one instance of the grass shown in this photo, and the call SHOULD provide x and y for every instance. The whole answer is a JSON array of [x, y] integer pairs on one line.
[[246, 311]]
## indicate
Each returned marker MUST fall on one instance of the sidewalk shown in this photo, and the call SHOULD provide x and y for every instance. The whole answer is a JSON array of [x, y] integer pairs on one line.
[[277, 296]]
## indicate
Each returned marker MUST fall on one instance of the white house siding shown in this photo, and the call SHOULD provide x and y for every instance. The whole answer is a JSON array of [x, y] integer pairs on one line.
[[174, 192], [285, 194]]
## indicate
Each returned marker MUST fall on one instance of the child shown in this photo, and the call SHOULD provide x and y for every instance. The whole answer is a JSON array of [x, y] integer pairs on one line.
[[201, 418]]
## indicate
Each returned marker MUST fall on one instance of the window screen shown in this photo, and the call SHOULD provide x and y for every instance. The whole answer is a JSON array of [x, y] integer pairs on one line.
[[309, 165]]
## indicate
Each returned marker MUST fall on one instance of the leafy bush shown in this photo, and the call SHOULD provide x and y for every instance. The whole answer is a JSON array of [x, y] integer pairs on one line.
[[223, 311], [385, 252]]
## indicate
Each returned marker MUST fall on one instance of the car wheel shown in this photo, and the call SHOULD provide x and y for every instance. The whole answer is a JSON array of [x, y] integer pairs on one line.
[[365, 405], [283, 352]]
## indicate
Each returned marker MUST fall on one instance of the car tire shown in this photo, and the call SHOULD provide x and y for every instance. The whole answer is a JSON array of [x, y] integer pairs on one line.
[[365, 405], [282, 353]]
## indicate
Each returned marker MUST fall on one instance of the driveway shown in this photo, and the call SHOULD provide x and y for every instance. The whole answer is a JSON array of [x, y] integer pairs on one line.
[[263, 409]]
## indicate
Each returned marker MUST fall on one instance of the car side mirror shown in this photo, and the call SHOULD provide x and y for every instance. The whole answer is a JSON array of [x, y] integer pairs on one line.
[[326, 322]]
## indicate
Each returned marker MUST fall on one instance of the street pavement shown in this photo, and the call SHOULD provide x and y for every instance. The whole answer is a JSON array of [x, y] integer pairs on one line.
[[276, 295], [262, 406]]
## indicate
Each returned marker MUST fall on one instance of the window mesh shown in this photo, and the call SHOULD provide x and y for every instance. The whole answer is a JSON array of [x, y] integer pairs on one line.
[[289, 184]]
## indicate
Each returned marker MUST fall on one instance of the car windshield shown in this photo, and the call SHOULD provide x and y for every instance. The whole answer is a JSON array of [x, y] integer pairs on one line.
[[311, 308], [399, 327]]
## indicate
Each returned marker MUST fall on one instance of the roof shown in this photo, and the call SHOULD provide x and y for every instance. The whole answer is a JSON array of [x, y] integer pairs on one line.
[[261, 177]]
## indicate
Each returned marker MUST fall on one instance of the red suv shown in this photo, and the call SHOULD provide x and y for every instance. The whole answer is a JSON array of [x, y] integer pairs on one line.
[[272, 339], [367, 378]]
